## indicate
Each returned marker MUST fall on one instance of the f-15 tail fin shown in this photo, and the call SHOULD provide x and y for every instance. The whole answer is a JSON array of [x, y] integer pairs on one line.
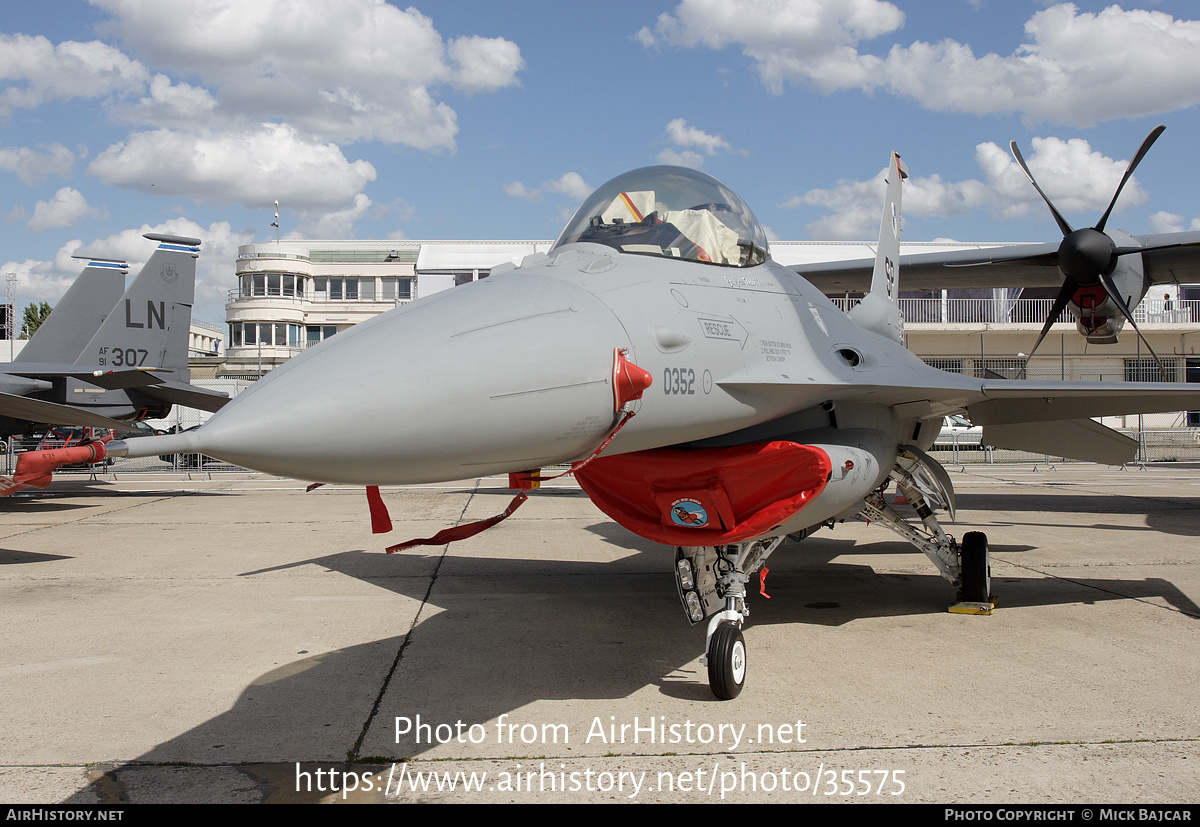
[[149, 326], [879, 311], [78, 315]]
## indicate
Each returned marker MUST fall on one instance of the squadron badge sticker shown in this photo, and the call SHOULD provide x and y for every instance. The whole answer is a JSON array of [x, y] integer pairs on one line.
[[688, 513]]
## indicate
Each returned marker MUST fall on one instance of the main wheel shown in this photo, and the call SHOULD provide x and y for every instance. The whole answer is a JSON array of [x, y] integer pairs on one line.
[[727, 661], [976, 568]]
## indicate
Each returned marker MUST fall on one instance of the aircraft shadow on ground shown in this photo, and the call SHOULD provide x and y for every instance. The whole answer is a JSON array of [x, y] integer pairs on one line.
[[605, 632], [12, 556], [1170, 515]]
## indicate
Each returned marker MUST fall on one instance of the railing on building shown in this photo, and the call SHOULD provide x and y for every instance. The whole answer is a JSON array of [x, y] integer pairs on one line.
[[238, 295], [1025, 311]]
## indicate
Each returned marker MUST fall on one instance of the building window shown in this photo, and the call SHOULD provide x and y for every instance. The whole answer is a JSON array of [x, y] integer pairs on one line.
[[1011, 368], [1146, 370], [314, 333], [1192, 374], [948, 365], [254, 285], [395, 289]]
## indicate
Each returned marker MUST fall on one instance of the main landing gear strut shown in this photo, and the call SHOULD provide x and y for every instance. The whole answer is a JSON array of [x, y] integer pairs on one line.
[[927, 487], [712, 579]]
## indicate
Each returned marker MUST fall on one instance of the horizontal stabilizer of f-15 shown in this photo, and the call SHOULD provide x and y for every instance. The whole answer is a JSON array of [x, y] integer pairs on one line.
[[107, 379], [37, 410]]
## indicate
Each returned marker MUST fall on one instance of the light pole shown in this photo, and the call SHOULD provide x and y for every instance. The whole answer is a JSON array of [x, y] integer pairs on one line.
[[10, 297]]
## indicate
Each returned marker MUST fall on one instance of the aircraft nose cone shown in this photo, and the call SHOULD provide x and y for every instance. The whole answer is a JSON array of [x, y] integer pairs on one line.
[[506, 374]]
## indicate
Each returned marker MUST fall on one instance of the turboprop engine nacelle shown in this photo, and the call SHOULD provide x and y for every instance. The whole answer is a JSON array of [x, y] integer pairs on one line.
[[1097, 317]]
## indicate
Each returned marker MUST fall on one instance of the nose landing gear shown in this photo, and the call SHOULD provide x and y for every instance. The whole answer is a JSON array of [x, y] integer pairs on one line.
[[712, 585]]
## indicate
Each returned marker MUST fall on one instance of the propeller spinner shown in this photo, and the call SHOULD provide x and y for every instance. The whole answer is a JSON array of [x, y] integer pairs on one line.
[[1088, 256]]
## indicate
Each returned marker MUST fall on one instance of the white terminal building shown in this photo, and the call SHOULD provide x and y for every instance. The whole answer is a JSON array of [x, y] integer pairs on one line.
[[293, 294]]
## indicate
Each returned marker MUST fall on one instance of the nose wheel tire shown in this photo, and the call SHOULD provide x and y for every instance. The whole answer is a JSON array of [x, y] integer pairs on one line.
[[976, 568], [727, 661]]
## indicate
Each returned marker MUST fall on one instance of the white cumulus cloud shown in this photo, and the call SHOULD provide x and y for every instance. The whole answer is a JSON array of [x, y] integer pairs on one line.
[[683, 134], [808, 41], [334, 224], [244, 102], [34, 71], [218, 257], [345, 70], [1077, 179], [33, 165], [687, 139], [570, 184], [252, 167], [1074, 67], [1166, 222], [63, 210]]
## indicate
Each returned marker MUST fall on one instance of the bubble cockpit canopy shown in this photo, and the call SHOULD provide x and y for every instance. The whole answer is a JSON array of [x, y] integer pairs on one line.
[[674, 212]]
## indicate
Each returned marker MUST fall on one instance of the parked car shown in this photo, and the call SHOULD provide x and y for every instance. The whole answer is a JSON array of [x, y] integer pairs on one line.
[[958, 432]]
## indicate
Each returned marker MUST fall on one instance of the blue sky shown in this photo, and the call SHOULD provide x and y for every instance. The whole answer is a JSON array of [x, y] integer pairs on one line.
[[483, 120]]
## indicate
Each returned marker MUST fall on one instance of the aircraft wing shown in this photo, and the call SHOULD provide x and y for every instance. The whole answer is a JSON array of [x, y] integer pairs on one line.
[[1009, 402], [188, 395], [1177, 259], [102, 378], [37, 410], [985, 401], [1024, 265]]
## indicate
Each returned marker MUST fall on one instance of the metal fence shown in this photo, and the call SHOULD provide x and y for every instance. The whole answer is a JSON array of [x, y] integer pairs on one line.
[[999, 310], [1167, 445], [165, 464]]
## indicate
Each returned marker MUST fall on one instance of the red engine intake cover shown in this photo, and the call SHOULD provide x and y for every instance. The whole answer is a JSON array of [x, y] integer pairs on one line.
[[709, 496]]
